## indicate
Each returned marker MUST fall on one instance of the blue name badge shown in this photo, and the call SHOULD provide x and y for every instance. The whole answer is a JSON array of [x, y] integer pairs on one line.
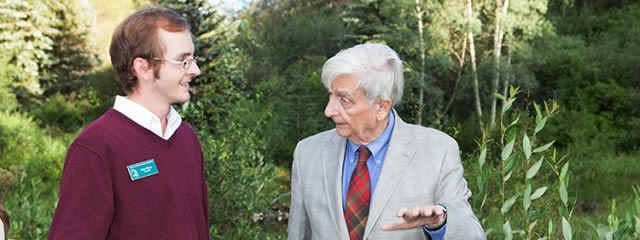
[[142, 169]]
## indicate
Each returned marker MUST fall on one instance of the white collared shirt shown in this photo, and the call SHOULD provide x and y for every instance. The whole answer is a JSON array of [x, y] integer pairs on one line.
[[145, 118]]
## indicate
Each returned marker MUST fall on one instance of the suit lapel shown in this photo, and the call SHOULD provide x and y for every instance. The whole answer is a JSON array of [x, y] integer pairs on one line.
[[396, 161], [332, 160]]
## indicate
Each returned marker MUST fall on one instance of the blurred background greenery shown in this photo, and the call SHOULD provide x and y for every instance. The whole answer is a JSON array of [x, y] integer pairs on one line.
[[555, 157]]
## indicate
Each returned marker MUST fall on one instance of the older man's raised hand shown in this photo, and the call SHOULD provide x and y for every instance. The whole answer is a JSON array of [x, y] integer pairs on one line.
[[432, 216]]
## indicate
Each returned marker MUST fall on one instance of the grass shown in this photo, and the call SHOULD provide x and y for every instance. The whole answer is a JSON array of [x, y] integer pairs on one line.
[[600, 178], [606, 176]]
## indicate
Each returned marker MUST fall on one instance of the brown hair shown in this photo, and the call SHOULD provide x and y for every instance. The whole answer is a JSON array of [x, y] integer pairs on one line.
[[137, 37], [5, 219]]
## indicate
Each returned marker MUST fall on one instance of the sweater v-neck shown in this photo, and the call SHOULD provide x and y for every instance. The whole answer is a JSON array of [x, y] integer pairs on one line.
[[148, 134]]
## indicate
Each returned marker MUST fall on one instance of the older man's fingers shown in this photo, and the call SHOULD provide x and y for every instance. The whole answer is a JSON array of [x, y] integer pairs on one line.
[[420, 211], [415, 212], [399, 226], [430, 211], [426, 211], [401, 212]]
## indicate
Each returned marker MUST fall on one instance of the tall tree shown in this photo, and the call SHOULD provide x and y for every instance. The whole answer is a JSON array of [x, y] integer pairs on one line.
[[517, 24], [420, 20], [222, 81], [397, 24], [289, 41], [448, 26], [72, 54], [26, 35], [498, 35], [474, 71]]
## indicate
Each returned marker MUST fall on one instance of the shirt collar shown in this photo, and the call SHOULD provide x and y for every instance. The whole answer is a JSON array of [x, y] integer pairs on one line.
[[376, 146], [145, 118]]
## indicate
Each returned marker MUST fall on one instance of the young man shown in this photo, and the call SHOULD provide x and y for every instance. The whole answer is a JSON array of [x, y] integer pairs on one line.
[[137, 171], [374, 176]]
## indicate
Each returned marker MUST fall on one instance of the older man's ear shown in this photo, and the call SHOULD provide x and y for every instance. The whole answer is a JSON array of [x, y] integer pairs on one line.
[[383, 108]]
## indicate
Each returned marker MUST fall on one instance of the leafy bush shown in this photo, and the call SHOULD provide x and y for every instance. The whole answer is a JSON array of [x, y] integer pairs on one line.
[[626, 228], [34, 159], [514, 173], [514, 176], [7, 74], [57, 111], [244, 189], [99, 90]]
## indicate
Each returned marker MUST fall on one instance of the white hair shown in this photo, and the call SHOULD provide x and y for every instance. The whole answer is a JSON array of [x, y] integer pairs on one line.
[[377, 68]]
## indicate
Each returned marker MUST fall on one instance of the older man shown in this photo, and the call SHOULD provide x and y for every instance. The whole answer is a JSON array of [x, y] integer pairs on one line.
[[375, 176]]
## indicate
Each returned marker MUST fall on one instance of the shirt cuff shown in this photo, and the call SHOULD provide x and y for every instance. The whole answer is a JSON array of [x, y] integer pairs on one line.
[[435, 234]]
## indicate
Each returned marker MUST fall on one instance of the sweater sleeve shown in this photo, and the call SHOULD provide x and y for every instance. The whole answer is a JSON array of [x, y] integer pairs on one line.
[[205, 193], [85, 208]]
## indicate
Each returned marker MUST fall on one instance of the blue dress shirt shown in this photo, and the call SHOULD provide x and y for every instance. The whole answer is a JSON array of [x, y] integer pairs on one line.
[[378, 149]]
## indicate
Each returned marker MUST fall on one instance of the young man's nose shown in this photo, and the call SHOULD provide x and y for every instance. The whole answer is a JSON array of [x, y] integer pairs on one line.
[[194, 69]]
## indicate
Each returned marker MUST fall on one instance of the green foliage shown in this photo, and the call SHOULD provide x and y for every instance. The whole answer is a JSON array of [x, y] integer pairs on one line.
[[26, 32], [285, 75], [7, 97], [295, 103], [221, 82], [591, 73], [521, 178], [72, 54], [48, 42], [626, 228], [243, 187], [396, 24], [31, 205], [34, 159], [98, 92], [599, 185], [58, 112]]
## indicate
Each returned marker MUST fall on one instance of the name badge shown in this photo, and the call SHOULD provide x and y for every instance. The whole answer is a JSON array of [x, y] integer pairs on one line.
[[142, 169]]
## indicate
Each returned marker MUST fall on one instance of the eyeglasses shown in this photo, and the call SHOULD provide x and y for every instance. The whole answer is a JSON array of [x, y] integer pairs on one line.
[[186, 64]]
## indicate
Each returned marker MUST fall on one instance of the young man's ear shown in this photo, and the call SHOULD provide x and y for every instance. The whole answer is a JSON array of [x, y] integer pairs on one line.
[[383, 108], [142, 69]]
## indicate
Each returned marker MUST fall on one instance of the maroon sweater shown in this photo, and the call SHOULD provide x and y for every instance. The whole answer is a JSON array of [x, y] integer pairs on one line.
[[98, 199]]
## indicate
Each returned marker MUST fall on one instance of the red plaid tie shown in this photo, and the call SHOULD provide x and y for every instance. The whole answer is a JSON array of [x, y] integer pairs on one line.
[[356, 207]]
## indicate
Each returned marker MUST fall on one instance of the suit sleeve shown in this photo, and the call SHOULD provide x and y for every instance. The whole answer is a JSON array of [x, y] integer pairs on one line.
[[85, 208], [298, 226], [452, 192]]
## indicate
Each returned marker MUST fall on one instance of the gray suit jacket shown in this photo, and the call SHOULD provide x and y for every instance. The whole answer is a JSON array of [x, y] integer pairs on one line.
[[422, 166]]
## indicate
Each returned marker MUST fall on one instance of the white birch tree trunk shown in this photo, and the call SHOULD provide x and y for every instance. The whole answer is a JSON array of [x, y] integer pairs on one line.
[[497, 51], [474, 71], [419, 17]]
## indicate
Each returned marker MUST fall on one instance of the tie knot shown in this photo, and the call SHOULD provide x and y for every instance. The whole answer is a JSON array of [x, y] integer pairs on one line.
[[364, 154]]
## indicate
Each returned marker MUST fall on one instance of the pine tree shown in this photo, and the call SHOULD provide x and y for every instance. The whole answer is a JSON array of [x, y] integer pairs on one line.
[[25, 34], [221, 80], [72, 54], [48, 41]]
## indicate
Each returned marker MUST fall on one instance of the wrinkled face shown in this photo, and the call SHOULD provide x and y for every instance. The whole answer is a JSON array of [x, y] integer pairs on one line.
[[355, 117], [172, 84]]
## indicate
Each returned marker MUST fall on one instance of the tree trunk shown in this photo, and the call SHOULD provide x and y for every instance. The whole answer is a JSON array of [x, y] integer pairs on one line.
[[461, 60], [497, 51], [419, 16], [509, 76], [474, 72]]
